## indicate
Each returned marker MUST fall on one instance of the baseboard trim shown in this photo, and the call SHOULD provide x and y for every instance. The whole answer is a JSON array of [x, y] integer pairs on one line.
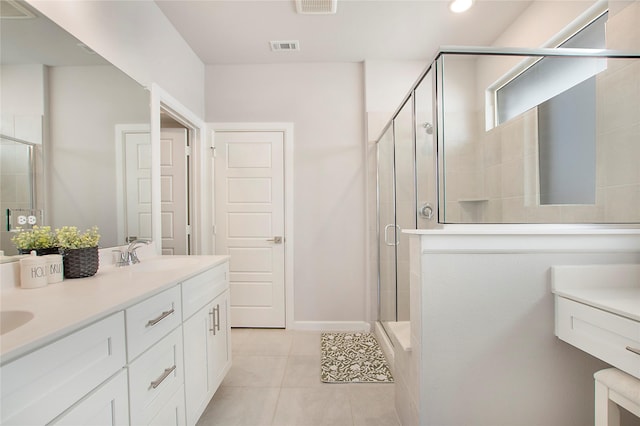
[[331, 325]]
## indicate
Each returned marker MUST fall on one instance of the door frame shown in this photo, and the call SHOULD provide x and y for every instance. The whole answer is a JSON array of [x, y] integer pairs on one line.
[[287, 129], [201, 203]]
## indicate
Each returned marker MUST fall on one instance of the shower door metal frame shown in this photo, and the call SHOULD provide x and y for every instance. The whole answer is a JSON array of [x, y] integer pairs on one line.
[[378, 222]]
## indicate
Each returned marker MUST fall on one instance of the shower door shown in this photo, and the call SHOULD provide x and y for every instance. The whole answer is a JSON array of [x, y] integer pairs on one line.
[[386, 229], [397, 211], [405, 192]]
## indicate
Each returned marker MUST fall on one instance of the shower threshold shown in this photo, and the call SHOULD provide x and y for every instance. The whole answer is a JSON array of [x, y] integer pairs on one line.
[[400, 333]]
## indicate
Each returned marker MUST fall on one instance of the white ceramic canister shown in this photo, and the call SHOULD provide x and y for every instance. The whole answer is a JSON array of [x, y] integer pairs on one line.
[[54, 268], [33, 271]]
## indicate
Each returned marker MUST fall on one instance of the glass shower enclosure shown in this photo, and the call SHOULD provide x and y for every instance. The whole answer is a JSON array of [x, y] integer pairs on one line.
[[507, 136], [407, 197]]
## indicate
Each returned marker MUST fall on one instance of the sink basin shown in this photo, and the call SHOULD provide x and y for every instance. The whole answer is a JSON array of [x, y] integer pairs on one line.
[[10, 320], [163, 263]]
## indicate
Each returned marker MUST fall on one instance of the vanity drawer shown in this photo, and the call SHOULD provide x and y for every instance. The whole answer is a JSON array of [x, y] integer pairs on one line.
[[602, 334], [203, 288], [41, 385], [155, 377], [150, 320]]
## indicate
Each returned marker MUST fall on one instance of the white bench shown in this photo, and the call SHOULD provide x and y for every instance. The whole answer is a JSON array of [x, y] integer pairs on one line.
[[615, 388]]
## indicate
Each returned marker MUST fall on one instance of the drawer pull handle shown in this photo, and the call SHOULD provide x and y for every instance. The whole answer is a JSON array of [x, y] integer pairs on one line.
[[162, 316], [218, 315], [634, 350], [213, 321], [160, 379]]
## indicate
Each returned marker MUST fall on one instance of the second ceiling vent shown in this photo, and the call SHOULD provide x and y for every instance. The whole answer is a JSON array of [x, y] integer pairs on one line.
[[316, 6], [285, 45]]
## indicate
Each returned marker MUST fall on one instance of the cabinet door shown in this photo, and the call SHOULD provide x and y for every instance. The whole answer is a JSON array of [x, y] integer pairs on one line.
[[172, 414], [41, 385], [107, 406], [220, 340], [197, 352]]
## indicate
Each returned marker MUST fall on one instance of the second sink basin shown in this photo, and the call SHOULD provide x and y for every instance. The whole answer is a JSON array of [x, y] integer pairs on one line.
[[10, 320]]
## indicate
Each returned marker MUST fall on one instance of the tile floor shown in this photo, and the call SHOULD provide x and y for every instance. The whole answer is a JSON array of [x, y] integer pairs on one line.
[[275, 381]]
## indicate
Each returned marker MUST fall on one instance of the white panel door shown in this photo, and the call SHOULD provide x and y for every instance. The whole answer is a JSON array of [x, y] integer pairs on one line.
[[249, 199], [173, 190], [137, 184]]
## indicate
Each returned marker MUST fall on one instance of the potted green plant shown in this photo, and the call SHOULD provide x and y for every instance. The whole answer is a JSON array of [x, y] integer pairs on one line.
[[79, 251], [40, 239]]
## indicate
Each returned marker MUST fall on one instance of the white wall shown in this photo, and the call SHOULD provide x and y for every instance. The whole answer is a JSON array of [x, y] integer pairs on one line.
[[85, 105], [23, 88], [540, 22], [136, 37], [325, 104], [386, 85]]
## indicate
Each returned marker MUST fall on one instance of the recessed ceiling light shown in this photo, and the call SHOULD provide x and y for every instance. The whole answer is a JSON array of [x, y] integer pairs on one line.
[[459, 6]]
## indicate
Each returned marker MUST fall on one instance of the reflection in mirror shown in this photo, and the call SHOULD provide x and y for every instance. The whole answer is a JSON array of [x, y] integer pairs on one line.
[[84, 113], [175, 184], [20, 163]]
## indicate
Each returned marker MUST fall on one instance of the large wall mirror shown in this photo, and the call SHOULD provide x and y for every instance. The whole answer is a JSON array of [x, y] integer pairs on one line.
[[76, 133]]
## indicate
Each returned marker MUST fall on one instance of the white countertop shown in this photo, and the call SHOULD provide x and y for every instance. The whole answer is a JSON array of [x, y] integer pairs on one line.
[[612, 288], [62, 308]]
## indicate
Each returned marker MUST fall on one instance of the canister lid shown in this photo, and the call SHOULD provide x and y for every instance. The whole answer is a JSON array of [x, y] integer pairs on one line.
[[33, 260]]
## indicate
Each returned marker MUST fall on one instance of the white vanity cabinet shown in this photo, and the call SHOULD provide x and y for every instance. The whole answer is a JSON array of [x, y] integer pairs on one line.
[[598, 311], [42, 385], [206, 327], [122, 347]]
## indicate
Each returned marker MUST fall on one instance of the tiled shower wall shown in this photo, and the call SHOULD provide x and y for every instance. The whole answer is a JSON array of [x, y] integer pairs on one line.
[[492, 176]]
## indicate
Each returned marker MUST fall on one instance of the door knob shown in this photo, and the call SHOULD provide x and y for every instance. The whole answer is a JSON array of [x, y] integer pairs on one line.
[[276, 240]]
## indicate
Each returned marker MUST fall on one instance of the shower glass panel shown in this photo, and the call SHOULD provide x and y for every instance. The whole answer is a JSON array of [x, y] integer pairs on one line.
[[549, 163], [386, 229], [406, 174], [425, 130], [404, 148]]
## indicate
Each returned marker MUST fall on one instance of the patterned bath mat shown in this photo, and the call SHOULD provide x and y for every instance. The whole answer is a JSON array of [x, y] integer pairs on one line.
[[353, 358]]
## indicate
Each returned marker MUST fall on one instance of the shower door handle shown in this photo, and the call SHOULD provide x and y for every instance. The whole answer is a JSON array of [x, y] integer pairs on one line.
[[386, 239]]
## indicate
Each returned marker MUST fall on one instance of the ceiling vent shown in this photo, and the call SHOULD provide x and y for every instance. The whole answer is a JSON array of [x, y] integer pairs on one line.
[[316, 6], [10, 9], [283, 46]]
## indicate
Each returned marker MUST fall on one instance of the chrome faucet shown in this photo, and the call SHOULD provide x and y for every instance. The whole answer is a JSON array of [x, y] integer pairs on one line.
[[129, 256]]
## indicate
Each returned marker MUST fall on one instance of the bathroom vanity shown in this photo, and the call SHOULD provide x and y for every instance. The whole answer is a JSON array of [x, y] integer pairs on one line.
[[143, 344], [598, 311]]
